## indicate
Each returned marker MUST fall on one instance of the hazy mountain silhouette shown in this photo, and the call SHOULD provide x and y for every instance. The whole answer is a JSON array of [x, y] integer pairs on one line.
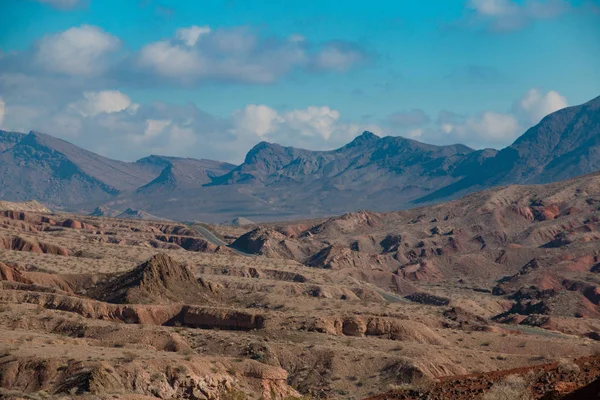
[[277, 182], [563, 145]]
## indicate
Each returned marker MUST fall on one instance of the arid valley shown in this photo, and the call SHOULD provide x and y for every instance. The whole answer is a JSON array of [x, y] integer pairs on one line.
[[434, 302], [299, 200]]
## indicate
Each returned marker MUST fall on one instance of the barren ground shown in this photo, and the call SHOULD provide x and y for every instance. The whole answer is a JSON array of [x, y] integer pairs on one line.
[[424, 303]]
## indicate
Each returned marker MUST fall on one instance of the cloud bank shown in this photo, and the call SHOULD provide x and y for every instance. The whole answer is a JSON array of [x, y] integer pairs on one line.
[[485, 129]]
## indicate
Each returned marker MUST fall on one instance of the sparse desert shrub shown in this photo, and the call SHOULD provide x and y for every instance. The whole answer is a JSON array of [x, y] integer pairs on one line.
[[157, 376], [233, 394], [129, 356], [513, 387], [186, 351], [566, 366], [83, 253], [181, 369]]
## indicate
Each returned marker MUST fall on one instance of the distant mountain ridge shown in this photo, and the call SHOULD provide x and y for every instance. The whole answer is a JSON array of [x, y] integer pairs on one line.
[[565, 144], [269, 163], [183, 173], [277, 182]]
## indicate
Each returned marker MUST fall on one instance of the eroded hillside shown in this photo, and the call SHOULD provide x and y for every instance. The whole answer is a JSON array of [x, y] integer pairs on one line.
[[346, 307]]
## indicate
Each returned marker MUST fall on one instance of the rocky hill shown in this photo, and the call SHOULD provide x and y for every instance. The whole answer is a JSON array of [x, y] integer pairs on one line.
[[33, 206], [182, 173], [156, 281], [535, 246], [494, 293]]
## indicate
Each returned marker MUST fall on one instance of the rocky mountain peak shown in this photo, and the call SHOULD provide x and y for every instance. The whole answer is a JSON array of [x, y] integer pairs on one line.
[[365, 138]]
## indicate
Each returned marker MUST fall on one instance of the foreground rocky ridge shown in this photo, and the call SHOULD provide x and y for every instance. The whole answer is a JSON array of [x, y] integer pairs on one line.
[[346, 307], [534, 246]]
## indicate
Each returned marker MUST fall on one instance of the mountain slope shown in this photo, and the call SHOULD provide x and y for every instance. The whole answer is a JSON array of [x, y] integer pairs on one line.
[[42, 167], [268, 163], [9, 139], [32, 170], [118, 174], [565, 144], [277, 182], [182, 173]]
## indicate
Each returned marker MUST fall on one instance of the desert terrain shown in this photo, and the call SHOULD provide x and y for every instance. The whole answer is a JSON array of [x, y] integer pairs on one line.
[[296, 200], [497, 291]]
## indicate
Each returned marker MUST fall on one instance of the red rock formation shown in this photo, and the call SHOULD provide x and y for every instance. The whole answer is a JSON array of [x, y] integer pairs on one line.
[[158, 280]]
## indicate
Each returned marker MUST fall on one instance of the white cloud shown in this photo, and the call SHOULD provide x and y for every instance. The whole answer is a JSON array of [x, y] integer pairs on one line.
[[484, 129], [185, 135], [194, 55], [223, 55], [535, 105], [256, 119], [509, 15], [488, 127], [62, 4], [494, 8], [238, 54], [170, 60], [1, 111], [76, 51], [133, 108], [338, 56], [191, 35], [315, 127], [313, 121], [106, 101], [416, 133], [263, 121], [155, 127], [235, 41]]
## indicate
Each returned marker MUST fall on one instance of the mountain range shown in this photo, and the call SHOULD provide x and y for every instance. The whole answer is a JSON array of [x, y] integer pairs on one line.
[[276, 182]]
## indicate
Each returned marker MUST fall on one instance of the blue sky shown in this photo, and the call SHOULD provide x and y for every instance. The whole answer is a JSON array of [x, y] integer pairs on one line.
[[209, 79]]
